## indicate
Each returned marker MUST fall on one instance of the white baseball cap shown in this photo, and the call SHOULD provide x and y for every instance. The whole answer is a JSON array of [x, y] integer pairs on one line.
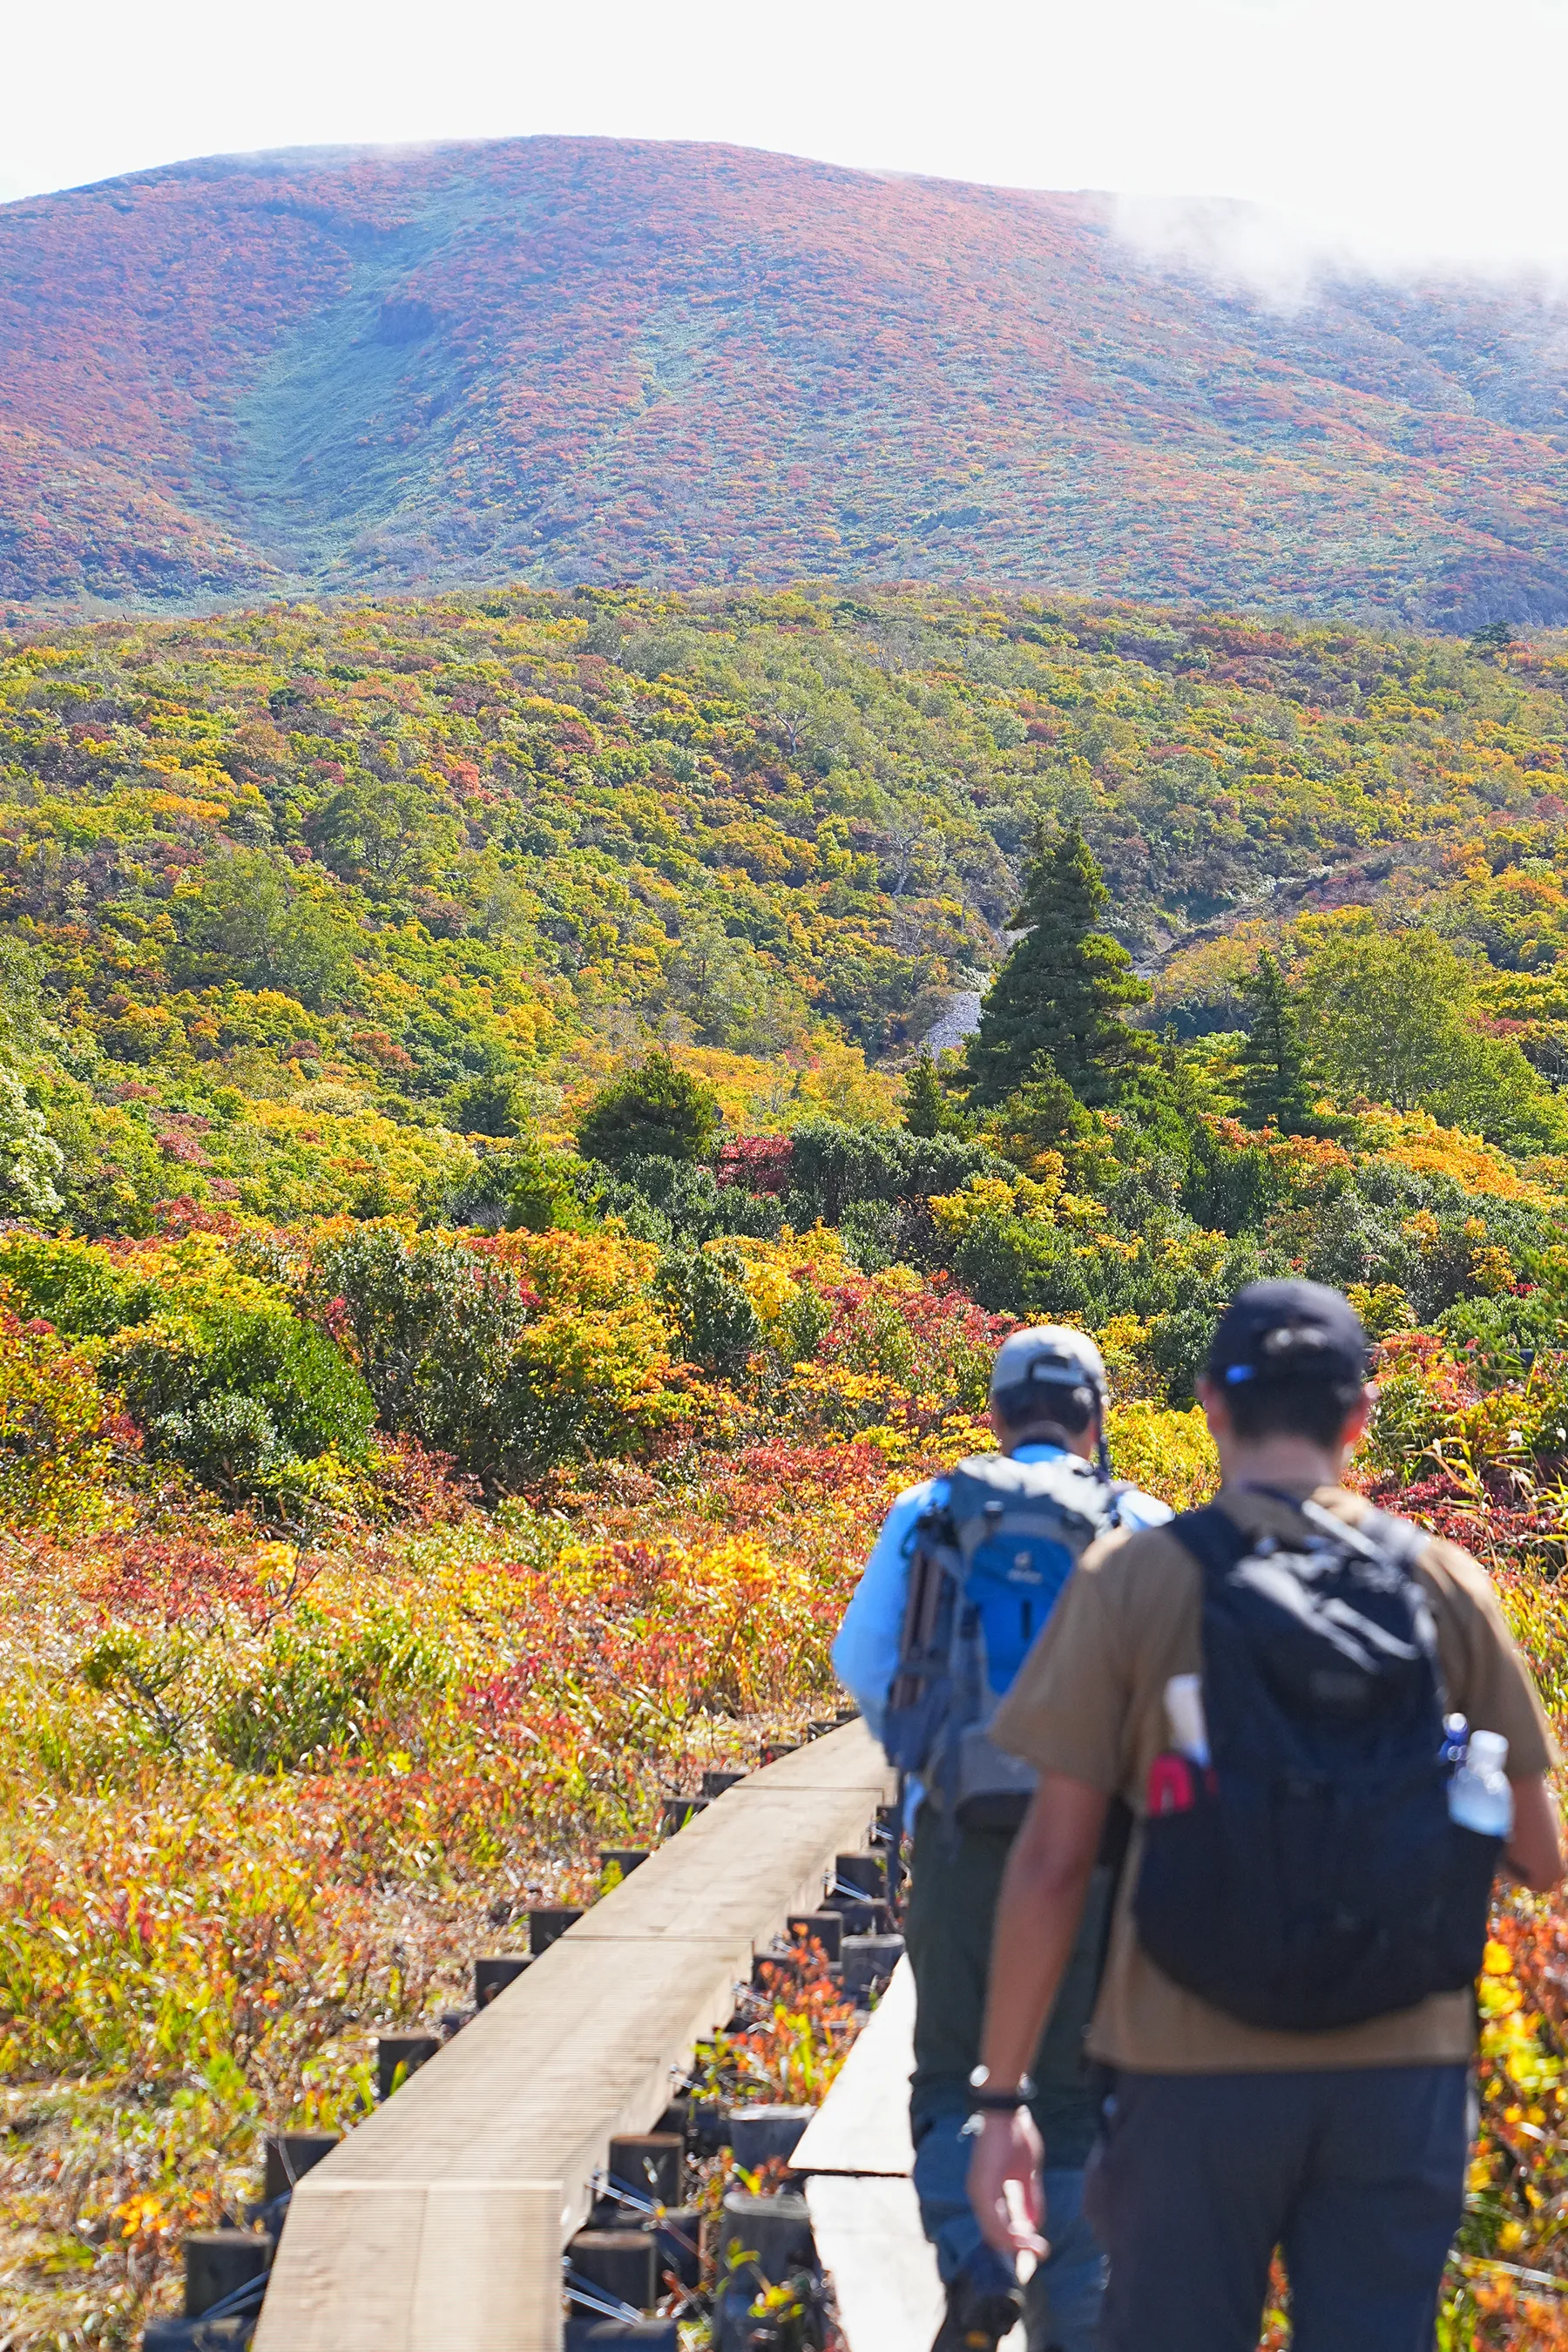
[[1049, 1355]]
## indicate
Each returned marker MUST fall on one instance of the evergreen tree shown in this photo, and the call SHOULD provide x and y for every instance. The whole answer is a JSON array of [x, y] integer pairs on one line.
[[655, 1111], [1274, 1088], [927, 1109], [1041, 1116], [1061, 991]]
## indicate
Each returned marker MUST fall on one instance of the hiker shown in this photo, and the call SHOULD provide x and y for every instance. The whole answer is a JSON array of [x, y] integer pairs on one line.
[[964, 1573], [1288, 2006]]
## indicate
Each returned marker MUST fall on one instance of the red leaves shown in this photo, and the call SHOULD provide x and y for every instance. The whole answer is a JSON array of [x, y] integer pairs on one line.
[[172, 1579], [762, 1163]]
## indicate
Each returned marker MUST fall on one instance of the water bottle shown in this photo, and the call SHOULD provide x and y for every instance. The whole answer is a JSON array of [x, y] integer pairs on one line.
[[1479, 1795], [1185, 1714], [1456, 1741]]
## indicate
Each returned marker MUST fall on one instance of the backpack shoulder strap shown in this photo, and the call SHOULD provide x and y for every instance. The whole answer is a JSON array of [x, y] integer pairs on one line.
[[1217, 1544], [1376, 1532], [1212, 1539]]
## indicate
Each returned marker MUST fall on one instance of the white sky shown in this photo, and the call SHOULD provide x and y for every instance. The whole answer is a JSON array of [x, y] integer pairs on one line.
[[1407, 130]]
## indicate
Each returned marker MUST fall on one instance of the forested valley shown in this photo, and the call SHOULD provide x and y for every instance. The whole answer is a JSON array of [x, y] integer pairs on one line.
[[501, 1181]]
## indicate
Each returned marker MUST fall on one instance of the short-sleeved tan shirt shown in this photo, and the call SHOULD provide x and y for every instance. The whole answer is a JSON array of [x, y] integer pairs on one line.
[[1088, 1701]]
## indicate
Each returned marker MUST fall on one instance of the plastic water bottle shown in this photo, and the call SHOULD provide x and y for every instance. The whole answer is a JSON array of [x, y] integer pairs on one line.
[[1185, 1714], [1479, 1796], [1456, 1740]]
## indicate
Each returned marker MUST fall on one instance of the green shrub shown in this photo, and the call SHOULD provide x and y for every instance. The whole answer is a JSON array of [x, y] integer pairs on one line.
[[833, 1164], [72, 1285], [1022, 1266], [230, 1442], [872, 1232], [491, 1104], [316, 1690], [691, 1203], [719, 1328], [437, 1327], [655, 1111], [30, 1159], [522, 1188], [556, 1350], [236, 1395], [255, 917]]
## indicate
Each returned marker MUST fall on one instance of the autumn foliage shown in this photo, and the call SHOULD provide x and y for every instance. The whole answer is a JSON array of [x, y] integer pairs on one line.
[[692, 361]]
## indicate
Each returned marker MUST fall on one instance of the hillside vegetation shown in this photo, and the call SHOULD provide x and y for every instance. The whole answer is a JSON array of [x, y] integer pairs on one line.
[[481, 1245], [306, 909], [576, 358]]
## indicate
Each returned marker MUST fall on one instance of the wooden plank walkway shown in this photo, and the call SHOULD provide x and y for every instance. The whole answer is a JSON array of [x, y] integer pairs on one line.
[[857, 2154], [863, 2125], [438, 2225]]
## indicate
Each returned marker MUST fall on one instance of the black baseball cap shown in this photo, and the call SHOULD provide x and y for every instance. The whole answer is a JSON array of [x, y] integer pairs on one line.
[[1289, 1331]]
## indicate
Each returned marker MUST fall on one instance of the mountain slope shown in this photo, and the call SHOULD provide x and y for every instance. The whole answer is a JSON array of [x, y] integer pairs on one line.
[[292, 902], [556, 360]]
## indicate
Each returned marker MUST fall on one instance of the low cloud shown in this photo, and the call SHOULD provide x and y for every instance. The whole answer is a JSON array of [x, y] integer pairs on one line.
[[1285, 263]]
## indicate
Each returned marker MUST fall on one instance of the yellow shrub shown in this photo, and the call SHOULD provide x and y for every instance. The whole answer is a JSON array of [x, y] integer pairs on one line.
[[56, 1434], [1167, 1454]]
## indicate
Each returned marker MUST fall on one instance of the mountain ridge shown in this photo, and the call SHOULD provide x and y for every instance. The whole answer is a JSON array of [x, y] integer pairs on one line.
[[551, 359]]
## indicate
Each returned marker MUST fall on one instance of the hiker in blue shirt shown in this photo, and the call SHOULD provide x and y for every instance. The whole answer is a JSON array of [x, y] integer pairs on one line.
[[961, 1580]]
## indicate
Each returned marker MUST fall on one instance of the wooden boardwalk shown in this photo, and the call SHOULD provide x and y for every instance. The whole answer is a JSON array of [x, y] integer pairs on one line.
[[855, 2155], [438, 2224]]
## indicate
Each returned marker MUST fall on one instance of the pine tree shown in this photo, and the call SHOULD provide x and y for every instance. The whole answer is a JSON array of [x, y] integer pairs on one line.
[[1061, 991], [658, 1110], [1275, 1091], [927, 1110]]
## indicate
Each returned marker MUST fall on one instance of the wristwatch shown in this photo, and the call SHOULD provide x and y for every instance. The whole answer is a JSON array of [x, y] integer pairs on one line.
[[985, 2100]]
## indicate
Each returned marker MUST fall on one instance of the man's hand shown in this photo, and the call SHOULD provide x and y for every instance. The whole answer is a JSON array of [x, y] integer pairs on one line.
[[1005, 2185]]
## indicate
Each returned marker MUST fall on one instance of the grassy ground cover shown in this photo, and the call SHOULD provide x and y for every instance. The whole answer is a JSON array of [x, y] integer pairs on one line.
[[263, 1796]]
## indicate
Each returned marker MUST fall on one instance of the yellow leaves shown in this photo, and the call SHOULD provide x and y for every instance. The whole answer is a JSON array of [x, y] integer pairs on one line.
[[143, 2216], [824, 1079], [1415, 1141], [954, 1439], [275, 1565], [1167, 1454], [772, 1289], [1383, 1306], [1079, 1213], [1039, 1195], [1492, 1272], [1129, 1368], [56, 1438], [583, 1270], [196, 802], [983, 1196]]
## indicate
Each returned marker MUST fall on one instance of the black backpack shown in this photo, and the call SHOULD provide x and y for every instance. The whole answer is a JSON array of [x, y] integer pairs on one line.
[[1312, 1878]]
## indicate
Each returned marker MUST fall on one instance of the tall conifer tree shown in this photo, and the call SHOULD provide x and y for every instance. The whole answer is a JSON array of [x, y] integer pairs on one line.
[[927, 1110], [1275, 1091], [1061, 990]]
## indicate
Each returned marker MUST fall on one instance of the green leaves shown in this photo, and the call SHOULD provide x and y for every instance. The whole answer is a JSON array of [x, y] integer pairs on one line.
[[657, 1110], [257, 915], [1394, 1015]]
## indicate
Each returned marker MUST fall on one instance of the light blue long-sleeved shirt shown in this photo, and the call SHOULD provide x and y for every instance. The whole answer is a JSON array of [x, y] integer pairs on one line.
[[866, 1654]]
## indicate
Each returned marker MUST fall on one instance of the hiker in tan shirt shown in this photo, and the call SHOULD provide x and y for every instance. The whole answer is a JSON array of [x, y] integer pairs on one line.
[[1337, 2133]]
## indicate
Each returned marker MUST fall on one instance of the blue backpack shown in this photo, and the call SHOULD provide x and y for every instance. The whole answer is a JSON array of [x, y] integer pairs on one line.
[[988, 1567]]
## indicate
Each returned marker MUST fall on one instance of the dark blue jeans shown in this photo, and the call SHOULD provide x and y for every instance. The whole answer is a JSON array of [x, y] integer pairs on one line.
[[1358, 2174]]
